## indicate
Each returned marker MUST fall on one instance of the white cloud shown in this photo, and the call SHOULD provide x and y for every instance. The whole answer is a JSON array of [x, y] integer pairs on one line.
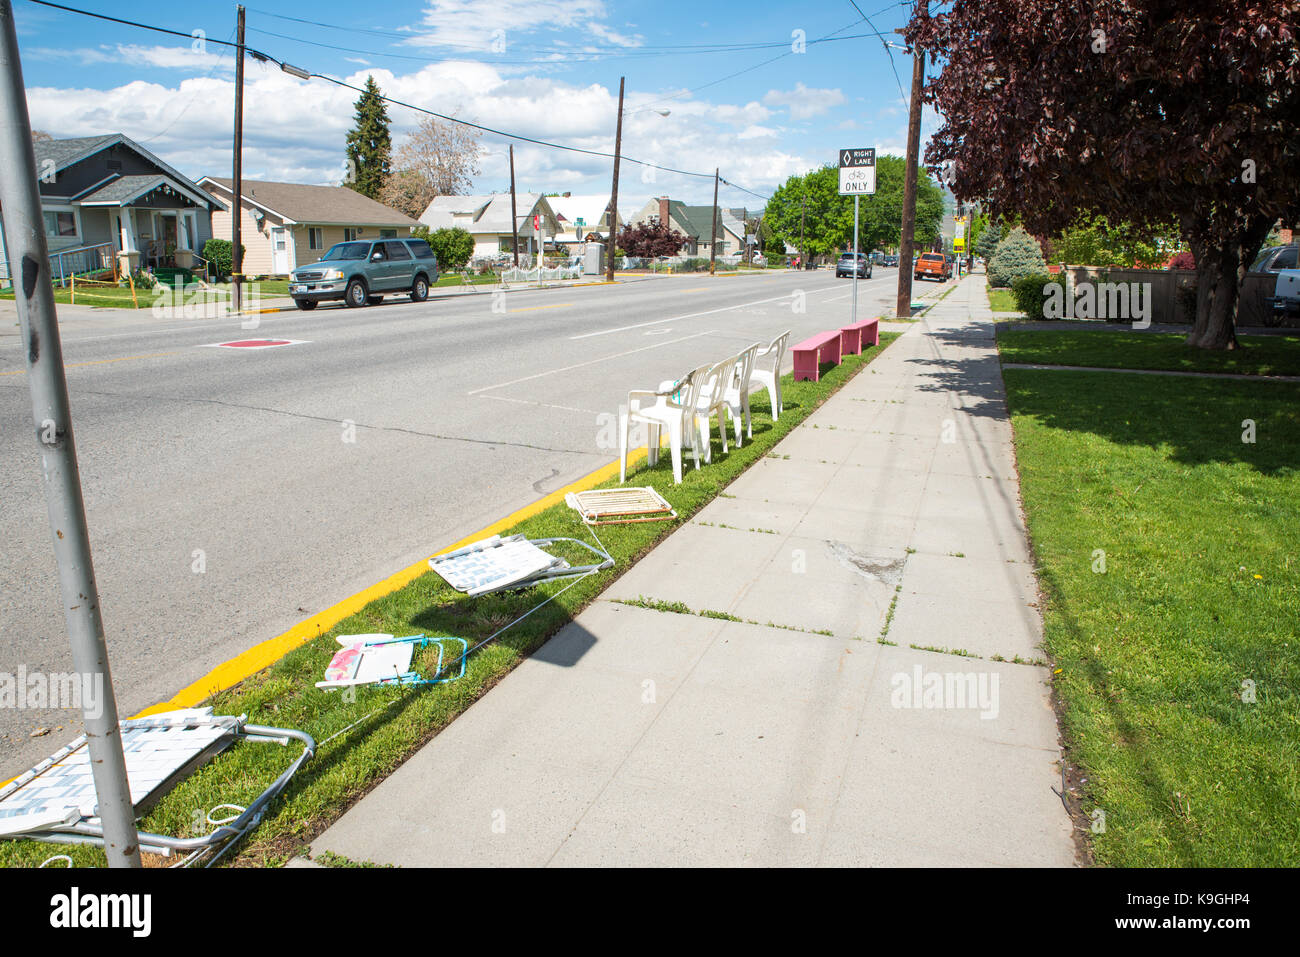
[[295, 130], [804, 102], [490, 24]]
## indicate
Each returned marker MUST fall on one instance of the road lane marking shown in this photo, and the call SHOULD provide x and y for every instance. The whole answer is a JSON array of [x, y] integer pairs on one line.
[[99, 362], [589, 362], [558, 305]]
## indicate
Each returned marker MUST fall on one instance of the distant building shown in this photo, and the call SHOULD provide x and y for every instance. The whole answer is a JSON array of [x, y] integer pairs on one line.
[[487, 219], [694, 222]]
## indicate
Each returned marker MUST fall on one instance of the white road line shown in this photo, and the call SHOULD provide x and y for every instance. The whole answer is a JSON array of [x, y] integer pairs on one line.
[[693, 315], [540, 405], [589, 362]]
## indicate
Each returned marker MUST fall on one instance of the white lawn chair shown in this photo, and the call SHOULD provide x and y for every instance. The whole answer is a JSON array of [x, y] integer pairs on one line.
[[736, 397], [671, 407], [770, 379], [713, 401]]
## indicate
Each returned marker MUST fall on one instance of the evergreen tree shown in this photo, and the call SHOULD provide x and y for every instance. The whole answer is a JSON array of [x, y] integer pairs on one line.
[[369, 144], [1018, 255]]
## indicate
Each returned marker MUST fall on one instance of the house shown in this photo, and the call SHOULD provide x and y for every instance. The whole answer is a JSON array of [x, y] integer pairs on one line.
[[286, 225], [110, 203], [694, 223], [487, 219], [582, 218]]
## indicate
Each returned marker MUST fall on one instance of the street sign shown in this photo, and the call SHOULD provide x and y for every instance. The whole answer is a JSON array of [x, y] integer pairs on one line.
[[857, 172], [959, 234]]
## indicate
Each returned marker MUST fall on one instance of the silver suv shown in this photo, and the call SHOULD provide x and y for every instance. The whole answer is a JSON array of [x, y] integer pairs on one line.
[[361, 272]]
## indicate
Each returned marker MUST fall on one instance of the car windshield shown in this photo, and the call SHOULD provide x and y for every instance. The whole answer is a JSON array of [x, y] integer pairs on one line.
[[343, 251]]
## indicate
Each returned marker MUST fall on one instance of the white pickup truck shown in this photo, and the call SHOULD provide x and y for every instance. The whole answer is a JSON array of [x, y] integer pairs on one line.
[[1286, 294]]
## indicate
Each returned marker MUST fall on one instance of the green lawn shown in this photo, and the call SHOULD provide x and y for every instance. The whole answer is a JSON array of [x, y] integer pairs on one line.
[[111, 297], [1001, 300], [1179, 665], [394, 723], [1115, 349]]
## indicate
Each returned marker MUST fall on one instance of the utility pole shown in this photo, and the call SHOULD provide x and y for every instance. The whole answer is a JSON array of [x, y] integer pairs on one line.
[[903, 307], [236, 213], [613, 193], [514, 215], [52, 415], [713, 236], [803, 221]]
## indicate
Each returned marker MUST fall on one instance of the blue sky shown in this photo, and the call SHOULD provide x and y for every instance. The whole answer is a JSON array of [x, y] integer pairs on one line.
[[547, 69]]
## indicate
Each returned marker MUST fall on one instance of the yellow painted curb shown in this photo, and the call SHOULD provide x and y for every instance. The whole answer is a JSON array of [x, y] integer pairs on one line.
[[230, 673]]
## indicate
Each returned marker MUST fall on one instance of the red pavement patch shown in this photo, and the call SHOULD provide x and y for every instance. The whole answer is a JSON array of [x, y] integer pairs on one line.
[[253, 344]]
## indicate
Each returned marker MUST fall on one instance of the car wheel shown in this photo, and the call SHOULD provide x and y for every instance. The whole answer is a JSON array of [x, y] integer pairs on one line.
[[355, 296], [419, 289], [306, 305]]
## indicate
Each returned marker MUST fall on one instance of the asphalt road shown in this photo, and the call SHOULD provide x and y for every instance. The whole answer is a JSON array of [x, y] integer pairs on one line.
[[460, 413]]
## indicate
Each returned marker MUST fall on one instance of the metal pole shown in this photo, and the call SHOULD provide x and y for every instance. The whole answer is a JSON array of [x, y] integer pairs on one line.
[[903, 306], [236, 213], [34, 296], [613, 193], [803, 220], [713, 236], [514, 215], [856, 200]]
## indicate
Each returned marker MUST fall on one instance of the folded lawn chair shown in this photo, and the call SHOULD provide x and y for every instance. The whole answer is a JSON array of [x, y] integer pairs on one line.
[[55, 801], [500, 564], [385, 660], [620, 506]]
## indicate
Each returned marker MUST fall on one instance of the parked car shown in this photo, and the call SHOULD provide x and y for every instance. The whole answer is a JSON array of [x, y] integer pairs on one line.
[[931, 266], [361, 272], [845, 266], [1276, 258], [890, 260]]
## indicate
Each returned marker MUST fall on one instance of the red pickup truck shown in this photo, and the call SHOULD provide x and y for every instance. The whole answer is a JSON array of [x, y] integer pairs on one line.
[[931, 266]]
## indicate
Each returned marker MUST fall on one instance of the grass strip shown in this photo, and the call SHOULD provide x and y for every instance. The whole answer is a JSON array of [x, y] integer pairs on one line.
[[1167, 552], [1167, 351], [391, 723], [1002, 300]]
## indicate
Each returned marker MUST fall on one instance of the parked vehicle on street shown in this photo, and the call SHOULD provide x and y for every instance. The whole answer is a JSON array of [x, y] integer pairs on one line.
[[931, 266], [1277, 258], [845, 266], [362, 272], [890, 260]]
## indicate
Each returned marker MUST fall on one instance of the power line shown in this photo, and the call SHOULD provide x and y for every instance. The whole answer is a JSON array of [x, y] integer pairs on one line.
[[259, 55], [889, 54]]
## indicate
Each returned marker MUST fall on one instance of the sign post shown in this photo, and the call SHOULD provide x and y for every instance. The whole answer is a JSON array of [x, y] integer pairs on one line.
[[857, 177], [959, 241]]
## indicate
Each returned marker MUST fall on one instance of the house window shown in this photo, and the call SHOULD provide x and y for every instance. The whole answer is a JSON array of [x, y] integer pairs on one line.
[[60, 224], [388, 234], [316, 238], [350, 234]]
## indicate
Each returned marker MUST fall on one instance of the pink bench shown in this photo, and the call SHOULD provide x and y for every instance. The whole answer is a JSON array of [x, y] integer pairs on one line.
[[855, 338], [812, 352]]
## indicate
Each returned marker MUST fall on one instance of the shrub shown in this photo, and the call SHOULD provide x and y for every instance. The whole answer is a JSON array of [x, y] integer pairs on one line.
[[1186, 295], [693, 265], [1184, 260], [1029, 296], [218, 252], [1017, 255], [452, 247]]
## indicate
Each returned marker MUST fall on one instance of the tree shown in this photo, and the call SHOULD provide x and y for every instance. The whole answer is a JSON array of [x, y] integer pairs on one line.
[[438, 159], [1017, 256], [369, 144], [1141, 111], [40, 136], [452, 246], [648, 240], [826, 221], [1095, 242]]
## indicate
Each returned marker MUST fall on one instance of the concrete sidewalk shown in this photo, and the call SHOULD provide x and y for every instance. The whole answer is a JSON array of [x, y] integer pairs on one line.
[[786, 733]]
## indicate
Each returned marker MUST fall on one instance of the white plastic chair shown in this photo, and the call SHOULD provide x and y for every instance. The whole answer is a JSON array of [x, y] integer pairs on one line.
[[712, 401], [736, 397], [672, 407], [770, 379]]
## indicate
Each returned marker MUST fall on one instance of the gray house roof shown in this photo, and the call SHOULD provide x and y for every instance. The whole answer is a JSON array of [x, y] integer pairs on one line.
[[491, 213], [326, 205], [68, 152]]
